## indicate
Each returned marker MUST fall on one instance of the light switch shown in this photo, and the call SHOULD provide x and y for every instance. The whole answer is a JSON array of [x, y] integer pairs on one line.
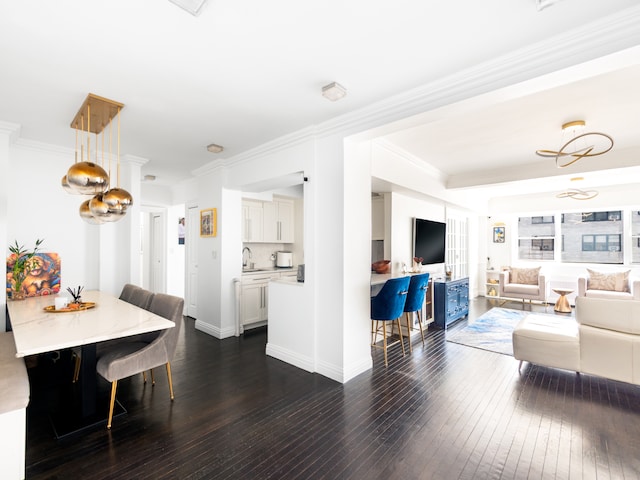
[[214, 254]]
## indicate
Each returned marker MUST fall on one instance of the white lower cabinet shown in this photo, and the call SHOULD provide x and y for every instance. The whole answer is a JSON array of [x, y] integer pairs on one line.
[[254, 298]]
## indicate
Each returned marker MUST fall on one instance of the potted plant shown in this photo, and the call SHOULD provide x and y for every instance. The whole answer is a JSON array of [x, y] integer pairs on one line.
[[20, 262]]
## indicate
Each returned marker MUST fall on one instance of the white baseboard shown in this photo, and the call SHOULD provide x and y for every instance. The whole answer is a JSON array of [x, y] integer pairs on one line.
[[215, 331], [301, 361]]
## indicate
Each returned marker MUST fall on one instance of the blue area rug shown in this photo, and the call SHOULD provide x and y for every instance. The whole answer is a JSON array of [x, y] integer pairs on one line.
[[490, 331]]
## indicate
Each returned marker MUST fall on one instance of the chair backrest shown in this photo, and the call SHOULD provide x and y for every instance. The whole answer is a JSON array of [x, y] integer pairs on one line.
[[137, 296], [417, 290], [169, 307], [127, 292], [389, 303], [142, 298]]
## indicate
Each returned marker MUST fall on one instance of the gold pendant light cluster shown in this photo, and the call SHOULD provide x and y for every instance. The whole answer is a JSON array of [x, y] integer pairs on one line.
[[87, 176]]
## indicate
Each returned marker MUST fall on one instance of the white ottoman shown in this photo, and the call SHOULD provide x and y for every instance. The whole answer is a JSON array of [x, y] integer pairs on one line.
[[548, 341]]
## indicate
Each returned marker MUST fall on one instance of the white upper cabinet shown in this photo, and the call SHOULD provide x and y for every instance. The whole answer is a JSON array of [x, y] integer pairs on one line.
[[252, 221], [275, 220]]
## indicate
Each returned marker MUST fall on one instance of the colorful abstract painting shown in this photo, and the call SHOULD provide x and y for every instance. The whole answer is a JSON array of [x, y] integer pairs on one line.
[[42, 280]]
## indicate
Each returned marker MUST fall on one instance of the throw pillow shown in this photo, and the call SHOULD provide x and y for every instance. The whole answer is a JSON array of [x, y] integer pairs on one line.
[[615, 282], [525, 276]]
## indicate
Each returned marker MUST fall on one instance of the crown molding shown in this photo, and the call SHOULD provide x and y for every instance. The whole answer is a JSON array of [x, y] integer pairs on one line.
[[44, 147], [412, 159], [12, 130]]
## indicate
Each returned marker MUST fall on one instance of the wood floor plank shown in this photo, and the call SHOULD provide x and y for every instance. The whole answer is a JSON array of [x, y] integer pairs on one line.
[[445, 411]]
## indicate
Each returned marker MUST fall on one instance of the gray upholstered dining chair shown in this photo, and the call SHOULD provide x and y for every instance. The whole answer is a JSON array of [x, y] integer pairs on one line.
[[128, 358], [134, 295]]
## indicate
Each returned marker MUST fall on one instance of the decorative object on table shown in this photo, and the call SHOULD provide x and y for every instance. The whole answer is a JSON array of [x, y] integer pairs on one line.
[[31, 273], [447, 271], [492, 330], [71, 307], [208, 222], [76, 294], [85, 177], [417, 264], [498, 234], [381, 266]]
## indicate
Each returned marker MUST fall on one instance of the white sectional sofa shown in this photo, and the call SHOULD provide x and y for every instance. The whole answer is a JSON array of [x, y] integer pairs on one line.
[[603, 339]]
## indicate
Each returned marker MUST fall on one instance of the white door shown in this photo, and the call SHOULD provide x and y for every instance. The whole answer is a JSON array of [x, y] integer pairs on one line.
[[157, 254], [191, 244]]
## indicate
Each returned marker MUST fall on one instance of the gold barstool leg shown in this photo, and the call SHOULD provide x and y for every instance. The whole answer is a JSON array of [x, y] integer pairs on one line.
[[400, 334], [114, 386], [420, 324], [384, 342], [409, 332], [374, 332], [144, 376], [153, 380], [170, 381]]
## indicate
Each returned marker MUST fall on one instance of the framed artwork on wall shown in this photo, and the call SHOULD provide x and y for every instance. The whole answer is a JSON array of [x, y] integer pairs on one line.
[[498, 234], [208, 222]]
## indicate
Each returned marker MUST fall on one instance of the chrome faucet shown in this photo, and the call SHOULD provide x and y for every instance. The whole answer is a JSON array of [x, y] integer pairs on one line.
[[244, 259]]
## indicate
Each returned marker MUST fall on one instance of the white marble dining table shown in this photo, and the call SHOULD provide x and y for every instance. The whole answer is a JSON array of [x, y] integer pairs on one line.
[[36, 330]]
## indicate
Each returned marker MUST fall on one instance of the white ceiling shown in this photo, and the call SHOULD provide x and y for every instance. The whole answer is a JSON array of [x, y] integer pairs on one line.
[[247, 71]]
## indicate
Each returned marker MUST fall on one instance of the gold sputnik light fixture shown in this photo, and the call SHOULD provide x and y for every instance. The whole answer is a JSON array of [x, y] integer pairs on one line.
[[87, 177], [580, 144]]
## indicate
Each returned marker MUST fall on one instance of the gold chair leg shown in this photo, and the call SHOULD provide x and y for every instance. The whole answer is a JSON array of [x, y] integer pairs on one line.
[[114, 386], [170, 381], [409, 332], [400, 335], [153, 380], [144, 376]]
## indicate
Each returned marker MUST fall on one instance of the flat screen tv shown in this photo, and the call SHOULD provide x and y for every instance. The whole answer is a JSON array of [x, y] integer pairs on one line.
[[429, 238]]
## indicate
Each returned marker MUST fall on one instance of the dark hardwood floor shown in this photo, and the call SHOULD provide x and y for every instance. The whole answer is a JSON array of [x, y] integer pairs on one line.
[[446, 411]]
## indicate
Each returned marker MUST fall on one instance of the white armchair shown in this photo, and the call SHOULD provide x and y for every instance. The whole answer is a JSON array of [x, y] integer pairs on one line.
[[523, 283], [615, 285]]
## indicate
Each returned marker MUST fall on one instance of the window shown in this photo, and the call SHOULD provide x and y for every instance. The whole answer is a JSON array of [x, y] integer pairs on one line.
[[547, 219], [601, 216], [635, 236], [536, 238], [601, 243], [592, 237]]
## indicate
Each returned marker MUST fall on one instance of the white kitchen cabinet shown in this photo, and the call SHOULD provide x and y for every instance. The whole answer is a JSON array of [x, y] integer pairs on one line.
[[252, 221], [254, 297], [278, 221]]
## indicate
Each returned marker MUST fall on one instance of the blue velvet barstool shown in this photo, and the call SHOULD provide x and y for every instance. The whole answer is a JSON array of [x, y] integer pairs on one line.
[[415, 299], [388, 306]]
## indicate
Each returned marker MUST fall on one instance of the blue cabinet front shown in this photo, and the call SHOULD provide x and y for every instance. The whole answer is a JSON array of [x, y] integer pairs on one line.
[[451, 301]]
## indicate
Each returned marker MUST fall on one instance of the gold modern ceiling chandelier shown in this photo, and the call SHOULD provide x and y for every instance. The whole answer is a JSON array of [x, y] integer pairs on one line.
[[577, 193], [581, 144], [87, 177]]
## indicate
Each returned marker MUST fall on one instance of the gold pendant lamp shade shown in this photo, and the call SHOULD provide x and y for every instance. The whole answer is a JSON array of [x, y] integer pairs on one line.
[[88, 176], [86, 215]]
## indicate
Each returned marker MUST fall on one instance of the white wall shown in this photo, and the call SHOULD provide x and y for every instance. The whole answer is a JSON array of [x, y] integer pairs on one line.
[[403, 210], [6, 130], [95, 256]]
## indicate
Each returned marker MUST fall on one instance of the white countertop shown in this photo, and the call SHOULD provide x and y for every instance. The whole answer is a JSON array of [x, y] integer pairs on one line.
[[38, 331]]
